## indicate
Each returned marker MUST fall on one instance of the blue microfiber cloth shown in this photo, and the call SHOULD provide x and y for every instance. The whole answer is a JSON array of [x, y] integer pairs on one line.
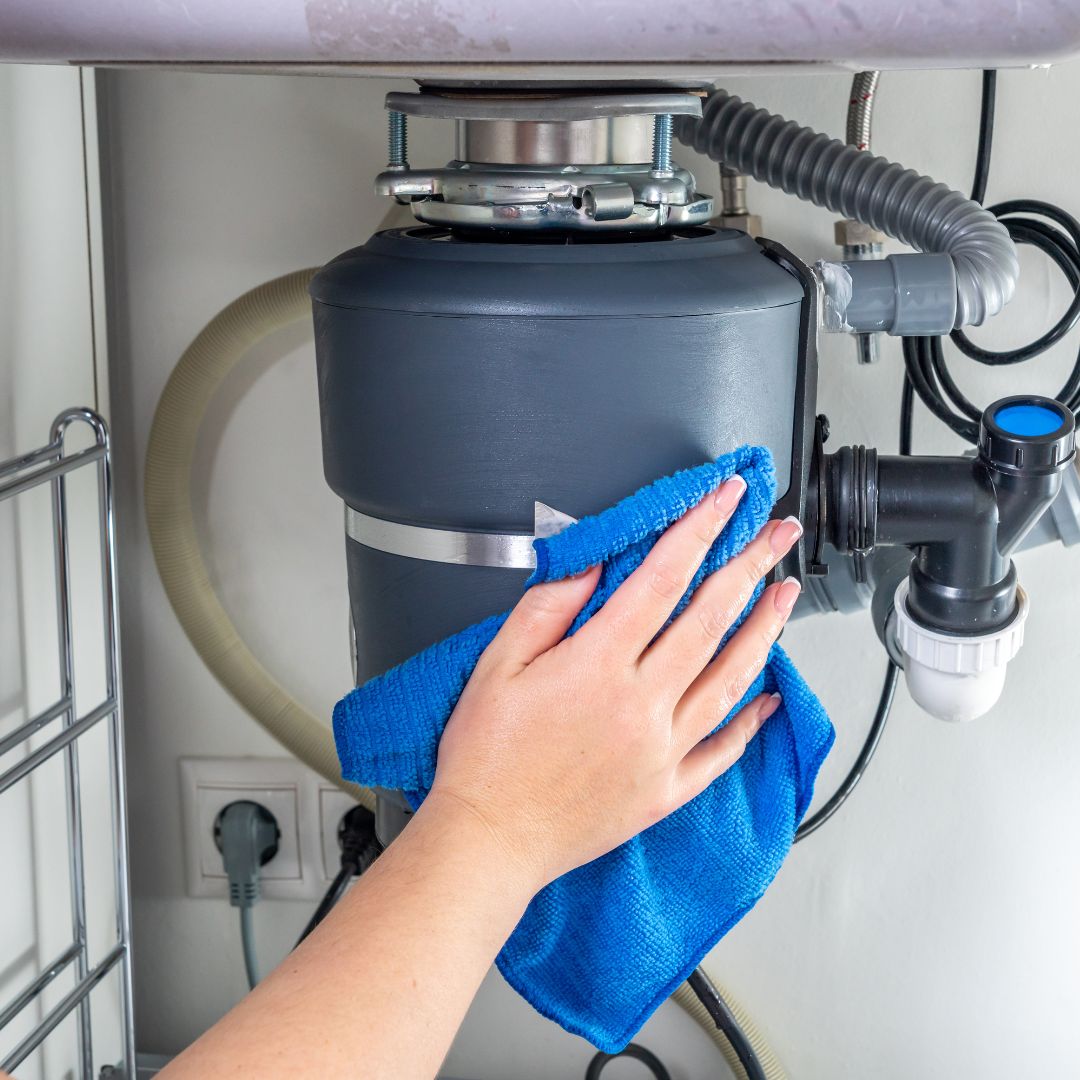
[[599, 949]]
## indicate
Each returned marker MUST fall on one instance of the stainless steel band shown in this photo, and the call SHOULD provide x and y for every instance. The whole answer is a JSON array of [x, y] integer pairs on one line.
[[506, 550]]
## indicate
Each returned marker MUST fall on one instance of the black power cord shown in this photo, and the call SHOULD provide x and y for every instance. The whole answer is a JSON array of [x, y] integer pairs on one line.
[[636, 1053], [722, 1016], [360, 847], [877, 727], [1029, 221], [907, 410], [986, 136]]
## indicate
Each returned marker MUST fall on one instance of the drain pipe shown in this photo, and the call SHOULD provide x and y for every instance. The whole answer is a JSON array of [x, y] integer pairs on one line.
[[958, 613]]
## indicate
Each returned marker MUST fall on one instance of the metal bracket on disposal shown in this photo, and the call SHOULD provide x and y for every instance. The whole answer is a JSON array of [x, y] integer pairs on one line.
[[521, 197]]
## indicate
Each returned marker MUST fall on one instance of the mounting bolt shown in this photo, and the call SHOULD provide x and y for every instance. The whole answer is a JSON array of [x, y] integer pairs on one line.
[[734, 213], [398, 140], [661, 163]]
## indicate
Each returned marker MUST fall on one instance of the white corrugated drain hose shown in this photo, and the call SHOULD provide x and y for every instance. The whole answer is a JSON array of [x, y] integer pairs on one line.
[[221, 345], [206, 362]]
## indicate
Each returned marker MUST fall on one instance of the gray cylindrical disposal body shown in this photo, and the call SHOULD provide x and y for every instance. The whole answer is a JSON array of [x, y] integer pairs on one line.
[[461, 380]]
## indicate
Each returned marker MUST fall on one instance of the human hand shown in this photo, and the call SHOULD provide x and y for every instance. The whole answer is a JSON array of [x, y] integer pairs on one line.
[[565, 747]]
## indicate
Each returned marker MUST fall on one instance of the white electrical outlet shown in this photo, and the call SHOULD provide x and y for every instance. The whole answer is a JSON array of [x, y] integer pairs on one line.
[[290, 791]]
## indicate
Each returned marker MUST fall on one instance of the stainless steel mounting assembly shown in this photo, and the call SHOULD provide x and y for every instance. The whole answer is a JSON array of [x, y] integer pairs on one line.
[[544, 160]]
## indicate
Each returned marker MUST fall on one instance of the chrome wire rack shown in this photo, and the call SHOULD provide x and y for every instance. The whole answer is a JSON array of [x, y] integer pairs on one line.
[[51, 465]]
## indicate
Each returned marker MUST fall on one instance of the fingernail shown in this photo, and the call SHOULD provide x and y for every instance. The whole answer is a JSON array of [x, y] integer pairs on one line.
[[785, 535], [768, 707], [729, 493], [785, 596]]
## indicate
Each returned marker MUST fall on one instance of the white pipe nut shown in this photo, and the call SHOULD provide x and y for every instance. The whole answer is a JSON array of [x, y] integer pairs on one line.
[[956, 677]]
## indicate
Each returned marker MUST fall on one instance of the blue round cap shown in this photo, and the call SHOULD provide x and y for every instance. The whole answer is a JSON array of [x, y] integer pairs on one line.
[[1028, 419], [1030, 434]]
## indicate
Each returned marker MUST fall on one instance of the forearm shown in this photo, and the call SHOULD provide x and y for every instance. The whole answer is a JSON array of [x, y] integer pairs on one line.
[[380, 988]]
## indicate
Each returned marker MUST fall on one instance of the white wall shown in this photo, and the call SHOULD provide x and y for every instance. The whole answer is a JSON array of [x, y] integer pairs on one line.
[[929, 931]]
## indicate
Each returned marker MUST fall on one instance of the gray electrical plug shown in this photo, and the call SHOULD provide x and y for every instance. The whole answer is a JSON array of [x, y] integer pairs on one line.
[[247, 836]]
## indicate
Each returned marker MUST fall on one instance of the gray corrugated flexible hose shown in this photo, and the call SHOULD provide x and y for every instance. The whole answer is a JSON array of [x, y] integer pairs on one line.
[[914, 209], [221, 345], [217, 350]]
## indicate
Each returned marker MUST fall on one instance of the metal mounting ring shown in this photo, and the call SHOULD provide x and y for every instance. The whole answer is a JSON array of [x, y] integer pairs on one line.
[[545, 107]]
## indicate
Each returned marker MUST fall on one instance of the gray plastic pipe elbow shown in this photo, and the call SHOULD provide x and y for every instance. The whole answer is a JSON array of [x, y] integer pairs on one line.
[[900, 295], [914, 209]]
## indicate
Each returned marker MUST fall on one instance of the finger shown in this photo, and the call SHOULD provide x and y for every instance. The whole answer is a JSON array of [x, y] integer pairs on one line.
[[690, 642], [715, 755], [540, 619], [644, 602], [720, 687]]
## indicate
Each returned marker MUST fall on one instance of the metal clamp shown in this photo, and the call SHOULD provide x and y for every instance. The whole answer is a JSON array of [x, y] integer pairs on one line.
[[510, 551], [506, 550]]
